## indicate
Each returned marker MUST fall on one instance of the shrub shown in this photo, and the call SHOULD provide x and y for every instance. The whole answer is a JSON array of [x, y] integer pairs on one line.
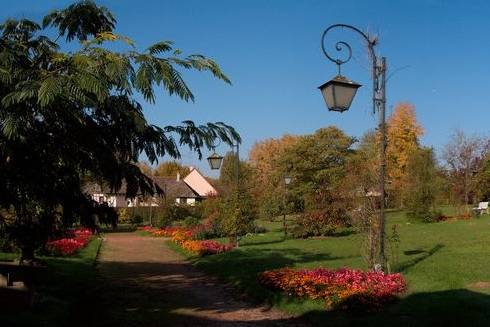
[[421, 191], [325, 211], [190, 222]]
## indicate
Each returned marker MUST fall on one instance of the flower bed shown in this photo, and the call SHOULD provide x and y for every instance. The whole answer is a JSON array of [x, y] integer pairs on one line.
[[75, 240], [185, 238], [340, 289], [205, 247]]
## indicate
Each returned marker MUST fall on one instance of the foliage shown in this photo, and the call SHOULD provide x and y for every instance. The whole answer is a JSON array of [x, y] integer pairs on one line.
[[463, 156], [237, 215], [394, 247], [317, 161], [171, 169], [75, 113], [227, 177], [421, 188], [190, 222], [235, 210], [340, 289], [325, 211], [440, 263], [482, 180], [268, 175], [403, 133]]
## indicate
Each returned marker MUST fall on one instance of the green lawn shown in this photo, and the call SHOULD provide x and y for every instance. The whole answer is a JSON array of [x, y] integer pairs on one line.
[[442, 262], [63, 292]]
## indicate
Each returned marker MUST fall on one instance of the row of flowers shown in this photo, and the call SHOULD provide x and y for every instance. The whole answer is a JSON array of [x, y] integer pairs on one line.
[[340, 289], [186, 239], [73, 241]]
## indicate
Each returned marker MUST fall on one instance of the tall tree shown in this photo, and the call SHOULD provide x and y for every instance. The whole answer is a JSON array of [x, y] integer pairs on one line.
[[269, 170], [463, 156], [75, 112], [403, 132], [318, 164]]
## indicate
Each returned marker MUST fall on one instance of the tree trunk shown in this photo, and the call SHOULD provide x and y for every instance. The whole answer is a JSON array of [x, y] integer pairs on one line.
[[26, 256]]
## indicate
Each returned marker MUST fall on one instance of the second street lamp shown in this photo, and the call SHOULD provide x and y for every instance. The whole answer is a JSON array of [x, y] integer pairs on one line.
[[339, 93], [287, 181], [215, 161]]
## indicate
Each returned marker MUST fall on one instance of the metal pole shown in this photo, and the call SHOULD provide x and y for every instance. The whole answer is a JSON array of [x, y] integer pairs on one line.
[[237, 172], [284, 226], [382, 127], [237, 167]]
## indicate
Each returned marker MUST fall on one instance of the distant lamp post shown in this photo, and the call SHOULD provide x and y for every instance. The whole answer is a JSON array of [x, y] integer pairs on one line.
[[287, 181], [215, 161], [339, 93]]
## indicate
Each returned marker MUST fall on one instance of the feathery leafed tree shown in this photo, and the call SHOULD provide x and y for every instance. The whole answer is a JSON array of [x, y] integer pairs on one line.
[[67, 114]]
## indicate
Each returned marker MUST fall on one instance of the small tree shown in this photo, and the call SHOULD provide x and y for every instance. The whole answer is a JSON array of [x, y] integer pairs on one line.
[[421, 188], [237, 215]]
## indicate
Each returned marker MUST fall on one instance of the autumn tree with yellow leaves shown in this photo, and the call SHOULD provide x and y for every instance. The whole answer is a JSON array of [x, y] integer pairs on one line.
[[403, 133]]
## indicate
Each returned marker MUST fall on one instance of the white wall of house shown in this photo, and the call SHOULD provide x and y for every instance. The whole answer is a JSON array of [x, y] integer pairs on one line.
[[186, 201], [115, 201]]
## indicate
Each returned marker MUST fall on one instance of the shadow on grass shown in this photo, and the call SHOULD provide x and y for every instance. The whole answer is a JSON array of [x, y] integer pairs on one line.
[[425, 254], [177, 294], [252, 243], [343, 233], [458, 307]]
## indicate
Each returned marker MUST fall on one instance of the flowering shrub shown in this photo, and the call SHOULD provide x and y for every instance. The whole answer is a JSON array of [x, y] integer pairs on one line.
[[340, 289], [75, 240]]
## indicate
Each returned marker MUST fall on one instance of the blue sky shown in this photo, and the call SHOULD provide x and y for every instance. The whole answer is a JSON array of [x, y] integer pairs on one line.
[[271, 51]]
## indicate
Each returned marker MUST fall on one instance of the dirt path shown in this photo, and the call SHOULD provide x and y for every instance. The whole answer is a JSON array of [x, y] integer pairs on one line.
[[147, 284]]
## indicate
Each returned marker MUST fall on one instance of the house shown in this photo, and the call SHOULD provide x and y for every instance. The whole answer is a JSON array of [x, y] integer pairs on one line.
[[185, 191]]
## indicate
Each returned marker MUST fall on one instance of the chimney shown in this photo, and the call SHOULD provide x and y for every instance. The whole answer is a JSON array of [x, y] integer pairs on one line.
[[178, 177]]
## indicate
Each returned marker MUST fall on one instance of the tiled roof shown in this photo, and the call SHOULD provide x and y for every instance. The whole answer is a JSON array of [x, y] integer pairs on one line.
[[169, 185], [174, 188]]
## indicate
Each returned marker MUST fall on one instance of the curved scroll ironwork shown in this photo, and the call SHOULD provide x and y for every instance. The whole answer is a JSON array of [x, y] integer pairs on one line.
[[342, 45]]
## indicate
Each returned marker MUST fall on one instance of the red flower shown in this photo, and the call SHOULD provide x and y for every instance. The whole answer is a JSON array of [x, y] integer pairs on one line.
[[76, 239]]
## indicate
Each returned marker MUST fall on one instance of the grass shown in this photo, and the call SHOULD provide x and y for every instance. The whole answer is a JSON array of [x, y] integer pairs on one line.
[[63, 289], [446, 265]]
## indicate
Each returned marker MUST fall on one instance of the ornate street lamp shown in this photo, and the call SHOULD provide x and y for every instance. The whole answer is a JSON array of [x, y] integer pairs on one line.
[[215, 161], [339, 93]]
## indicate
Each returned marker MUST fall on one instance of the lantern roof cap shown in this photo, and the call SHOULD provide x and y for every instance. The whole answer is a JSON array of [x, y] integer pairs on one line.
[[341, 80]]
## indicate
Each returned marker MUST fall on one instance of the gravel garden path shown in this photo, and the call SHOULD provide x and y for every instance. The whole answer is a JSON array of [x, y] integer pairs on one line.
[[144, 283]]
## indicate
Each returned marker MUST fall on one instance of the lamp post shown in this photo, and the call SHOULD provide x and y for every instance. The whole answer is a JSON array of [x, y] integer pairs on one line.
[[287, 181], [215, 161], [338, 94]]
